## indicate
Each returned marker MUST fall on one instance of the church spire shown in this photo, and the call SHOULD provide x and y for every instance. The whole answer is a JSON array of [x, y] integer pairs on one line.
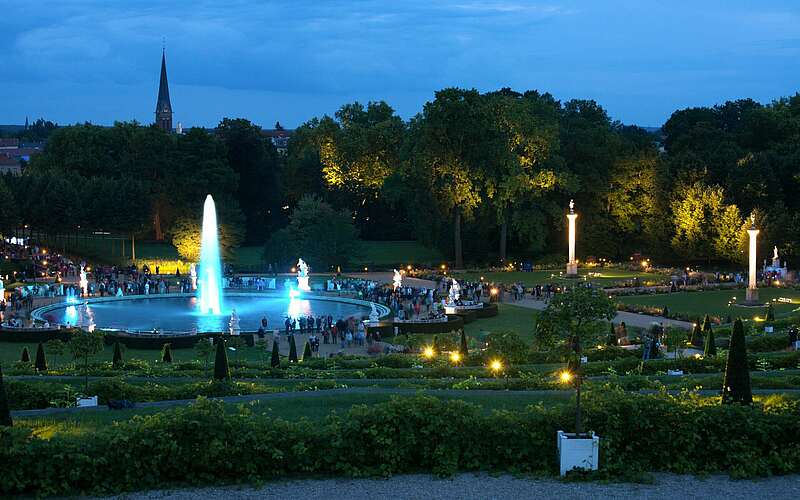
[[163, 105]]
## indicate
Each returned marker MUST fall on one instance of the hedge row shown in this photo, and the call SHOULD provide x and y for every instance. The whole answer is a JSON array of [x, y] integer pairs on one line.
[[202, 444]]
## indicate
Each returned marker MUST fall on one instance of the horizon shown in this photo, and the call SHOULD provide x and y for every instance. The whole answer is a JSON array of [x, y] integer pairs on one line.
[[99, 62]]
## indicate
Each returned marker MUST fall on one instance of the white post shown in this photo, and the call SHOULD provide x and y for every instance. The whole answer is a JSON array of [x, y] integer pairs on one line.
[[752, 287], [572, 264]]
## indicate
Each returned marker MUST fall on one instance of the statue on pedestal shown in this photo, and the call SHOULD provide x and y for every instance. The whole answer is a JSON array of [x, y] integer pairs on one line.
[[233, 323], [397, 279]]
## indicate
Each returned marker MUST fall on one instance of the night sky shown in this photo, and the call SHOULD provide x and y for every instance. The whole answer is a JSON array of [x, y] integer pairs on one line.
[[98, 61]]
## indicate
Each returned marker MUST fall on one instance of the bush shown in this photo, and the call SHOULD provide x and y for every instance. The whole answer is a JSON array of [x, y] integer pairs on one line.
[[736, 386], [292, 350], [25, 357], [307, 355], [275, 360], [767, 342], [166, 354], [41, 360], [404, 435], [5, 413], [506, 345], [116, 361]]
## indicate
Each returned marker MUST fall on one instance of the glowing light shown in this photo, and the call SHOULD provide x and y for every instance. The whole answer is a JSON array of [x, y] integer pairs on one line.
[[428, 352], [565, 376], [493, 291], [293, 294], [210, 265], [408, 267], [455, 357], [496, 365], [698, 356], [444, 266]]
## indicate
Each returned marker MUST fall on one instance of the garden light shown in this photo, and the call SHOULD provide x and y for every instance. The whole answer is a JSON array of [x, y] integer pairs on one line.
[[494, 291], [496, 365], [428, 352], [565, 376], [455, 357]]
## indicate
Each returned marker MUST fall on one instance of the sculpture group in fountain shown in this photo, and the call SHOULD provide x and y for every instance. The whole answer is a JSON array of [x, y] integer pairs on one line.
[[374, 315], [780, 271], [302, 276], [397, 279], [193, 276], [455, 291], [233, 323], [84, 283]]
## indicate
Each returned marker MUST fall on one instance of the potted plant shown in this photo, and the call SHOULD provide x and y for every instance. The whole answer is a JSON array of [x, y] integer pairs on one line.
[[576, 312]]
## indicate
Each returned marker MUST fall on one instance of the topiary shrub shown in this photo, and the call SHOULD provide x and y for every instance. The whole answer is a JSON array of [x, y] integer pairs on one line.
[[41, 360], [736, 385], [770, 312], [275, 362], [292, 350], [307, 354], [696, 337], [710, 348], [5, 413], [25, 358], [166, 354], [221, 369], [611, 340], [463, 349], [116, 361]]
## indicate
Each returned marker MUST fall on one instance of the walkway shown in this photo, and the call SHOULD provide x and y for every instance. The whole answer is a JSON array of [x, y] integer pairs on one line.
[[485, 486], [630, 319]]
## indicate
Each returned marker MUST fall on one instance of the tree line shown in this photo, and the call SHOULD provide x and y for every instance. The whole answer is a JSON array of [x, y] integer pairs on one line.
[[485, 177]]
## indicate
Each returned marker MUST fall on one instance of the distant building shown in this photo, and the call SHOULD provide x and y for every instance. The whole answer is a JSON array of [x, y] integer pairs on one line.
[[9, 143], [279, 137], [13, 154], [163, 105]]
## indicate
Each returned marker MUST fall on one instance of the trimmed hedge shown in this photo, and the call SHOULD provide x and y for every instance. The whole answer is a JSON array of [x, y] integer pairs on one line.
[[194, 445]]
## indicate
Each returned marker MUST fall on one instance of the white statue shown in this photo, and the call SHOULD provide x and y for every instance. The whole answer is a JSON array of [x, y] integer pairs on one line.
[[374, 315], [455, 291], [571, 205], [398, 279], [233, 324], [193, 276], [302, 268], [302, 276], [2, 290], [84, 282], [776, 261]]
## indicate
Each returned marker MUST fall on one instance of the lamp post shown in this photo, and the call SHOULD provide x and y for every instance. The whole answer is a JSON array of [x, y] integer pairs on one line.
[[751, 296], [572, 264]]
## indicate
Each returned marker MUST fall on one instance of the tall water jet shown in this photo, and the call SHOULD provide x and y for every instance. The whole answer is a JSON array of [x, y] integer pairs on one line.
[[210, 276]]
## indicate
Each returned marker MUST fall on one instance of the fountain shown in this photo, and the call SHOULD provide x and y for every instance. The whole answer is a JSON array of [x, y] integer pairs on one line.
[[210, 269], [455, 291], [302, 276], [2, 291], [193, 276]]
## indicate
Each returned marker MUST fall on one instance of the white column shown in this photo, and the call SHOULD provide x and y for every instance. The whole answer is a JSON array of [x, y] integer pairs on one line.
[[572, 264], [752, 287]]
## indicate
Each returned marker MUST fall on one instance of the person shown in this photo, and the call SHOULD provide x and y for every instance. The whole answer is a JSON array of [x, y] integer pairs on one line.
[[264, 323]]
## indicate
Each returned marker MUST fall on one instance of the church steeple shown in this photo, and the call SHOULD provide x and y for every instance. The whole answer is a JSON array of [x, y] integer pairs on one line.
[[163, 106]]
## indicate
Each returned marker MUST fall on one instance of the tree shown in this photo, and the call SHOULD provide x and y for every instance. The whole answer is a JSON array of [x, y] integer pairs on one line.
[[166, 353], [186, 236], [307, 354], [463, 350], [84, 345], [41, 360], [574, 315], [25, 357], [292, 350], [56, 348], [736, 385], [5, 413], [221, 369], [9, 212], [116, 360], [323, 236], [506, 345], [612, 336], [710, 348], [275, 362]]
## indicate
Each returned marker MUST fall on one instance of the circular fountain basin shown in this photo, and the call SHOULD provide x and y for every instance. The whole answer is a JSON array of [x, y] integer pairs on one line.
[[178, 313]]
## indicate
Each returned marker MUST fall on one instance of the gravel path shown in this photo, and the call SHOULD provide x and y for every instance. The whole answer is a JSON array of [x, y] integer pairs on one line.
[[630, 319], [481, 486]]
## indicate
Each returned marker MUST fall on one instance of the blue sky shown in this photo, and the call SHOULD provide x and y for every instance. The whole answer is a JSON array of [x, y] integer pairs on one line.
[[85, 60]]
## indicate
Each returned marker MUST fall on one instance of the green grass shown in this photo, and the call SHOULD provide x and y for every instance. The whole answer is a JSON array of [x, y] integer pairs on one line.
[[601, 276], [386, 254], [305, 404], [715, 302], [519, 319]]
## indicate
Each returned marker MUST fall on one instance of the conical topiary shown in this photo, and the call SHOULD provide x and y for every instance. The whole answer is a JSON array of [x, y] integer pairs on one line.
[[696, 337], [710, 348], [275, 362], [116, 361], [5, 412], [292, 350], [665, 312], [463, 349], [770, 313], [736, 386], [221, 369], [307, 352], [41, 360], [25, 358], [706, 325], [166, 354]]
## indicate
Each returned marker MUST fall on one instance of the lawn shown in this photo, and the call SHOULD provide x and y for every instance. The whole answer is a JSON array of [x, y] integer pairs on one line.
[[396, 254], [519, 319], [715, 302], [302, 404], [600, 276]]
